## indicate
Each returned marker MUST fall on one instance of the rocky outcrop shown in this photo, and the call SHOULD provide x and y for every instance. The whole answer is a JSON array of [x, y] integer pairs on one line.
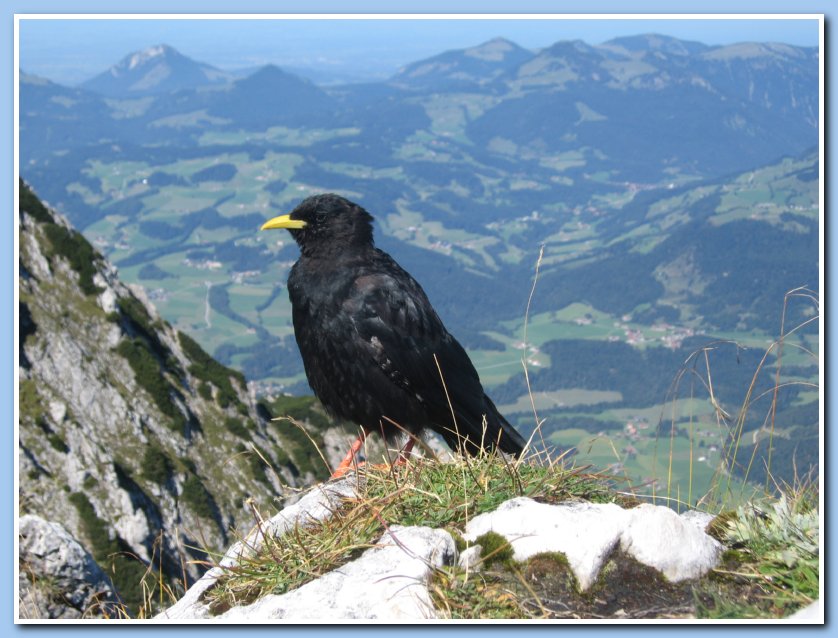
[[391, 580], [130, 435], [58, 578]]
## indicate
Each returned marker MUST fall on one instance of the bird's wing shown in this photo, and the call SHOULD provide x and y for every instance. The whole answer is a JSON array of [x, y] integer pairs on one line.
[[400, 331]]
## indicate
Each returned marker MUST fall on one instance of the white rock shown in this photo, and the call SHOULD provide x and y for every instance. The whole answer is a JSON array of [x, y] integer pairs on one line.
[[656, 536], [584, 532], [37, 262], [57, 410], [387, 582], [131, 524], [58, 578], [469, 559], [113, 335], [107, 299], [810, 614], [699, 519]]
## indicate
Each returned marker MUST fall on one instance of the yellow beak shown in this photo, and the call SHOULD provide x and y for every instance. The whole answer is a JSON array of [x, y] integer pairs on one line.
[[283, 221]]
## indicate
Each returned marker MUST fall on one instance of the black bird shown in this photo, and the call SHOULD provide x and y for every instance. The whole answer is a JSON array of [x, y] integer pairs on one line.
[[375, 351]]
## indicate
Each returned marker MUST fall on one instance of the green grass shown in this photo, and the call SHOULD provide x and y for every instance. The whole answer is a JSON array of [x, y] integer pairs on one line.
[[82, 257], [156, 466], [29, 202]]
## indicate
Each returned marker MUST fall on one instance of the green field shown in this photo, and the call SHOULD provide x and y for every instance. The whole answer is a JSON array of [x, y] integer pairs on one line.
[[683, 468]]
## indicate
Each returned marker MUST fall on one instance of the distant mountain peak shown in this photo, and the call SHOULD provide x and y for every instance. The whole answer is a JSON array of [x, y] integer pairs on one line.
[[570, 47], [156, 69], [268, 71], [495, 50], [476, 65], [271, 76], [656, 42], [144, 56], [751, 50]]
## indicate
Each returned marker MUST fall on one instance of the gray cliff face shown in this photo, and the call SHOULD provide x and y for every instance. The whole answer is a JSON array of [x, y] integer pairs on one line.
[[58, 578], [131, 436]]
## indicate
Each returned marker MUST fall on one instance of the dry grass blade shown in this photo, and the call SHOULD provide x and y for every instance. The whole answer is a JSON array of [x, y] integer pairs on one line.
[[525, 359]]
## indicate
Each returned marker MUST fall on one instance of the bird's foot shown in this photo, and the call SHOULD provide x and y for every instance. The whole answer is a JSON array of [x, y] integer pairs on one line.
[[349, 461], [345, 467]]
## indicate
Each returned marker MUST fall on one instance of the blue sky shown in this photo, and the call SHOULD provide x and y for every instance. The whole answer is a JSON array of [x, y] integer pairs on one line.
[[72, 50]]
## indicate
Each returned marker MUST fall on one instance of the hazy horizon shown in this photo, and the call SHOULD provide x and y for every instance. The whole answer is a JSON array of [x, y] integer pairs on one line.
[[70, 51]]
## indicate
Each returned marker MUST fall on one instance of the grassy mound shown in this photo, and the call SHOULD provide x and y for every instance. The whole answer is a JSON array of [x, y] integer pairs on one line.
[[427, 492]]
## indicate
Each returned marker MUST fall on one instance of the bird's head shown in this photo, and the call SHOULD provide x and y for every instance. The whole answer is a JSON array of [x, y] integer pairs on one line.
[[325, 223]]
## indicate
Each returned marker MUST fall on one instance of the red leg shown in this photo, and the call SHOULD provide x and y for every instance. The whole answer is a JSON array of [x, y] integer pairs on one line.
[[405, 452], [349, 460]]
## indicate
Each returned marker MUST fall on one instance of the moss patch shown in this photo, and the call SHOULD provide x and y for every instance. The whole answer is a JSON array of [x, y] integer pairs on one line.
[[545, 587], [494, 548], [627, 588], [485, 594]]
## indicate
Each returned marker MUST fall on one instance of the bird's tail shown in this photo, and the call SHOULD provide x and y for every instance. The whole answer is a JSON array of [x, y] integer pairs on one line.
[[492, 432], [501, 433]]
